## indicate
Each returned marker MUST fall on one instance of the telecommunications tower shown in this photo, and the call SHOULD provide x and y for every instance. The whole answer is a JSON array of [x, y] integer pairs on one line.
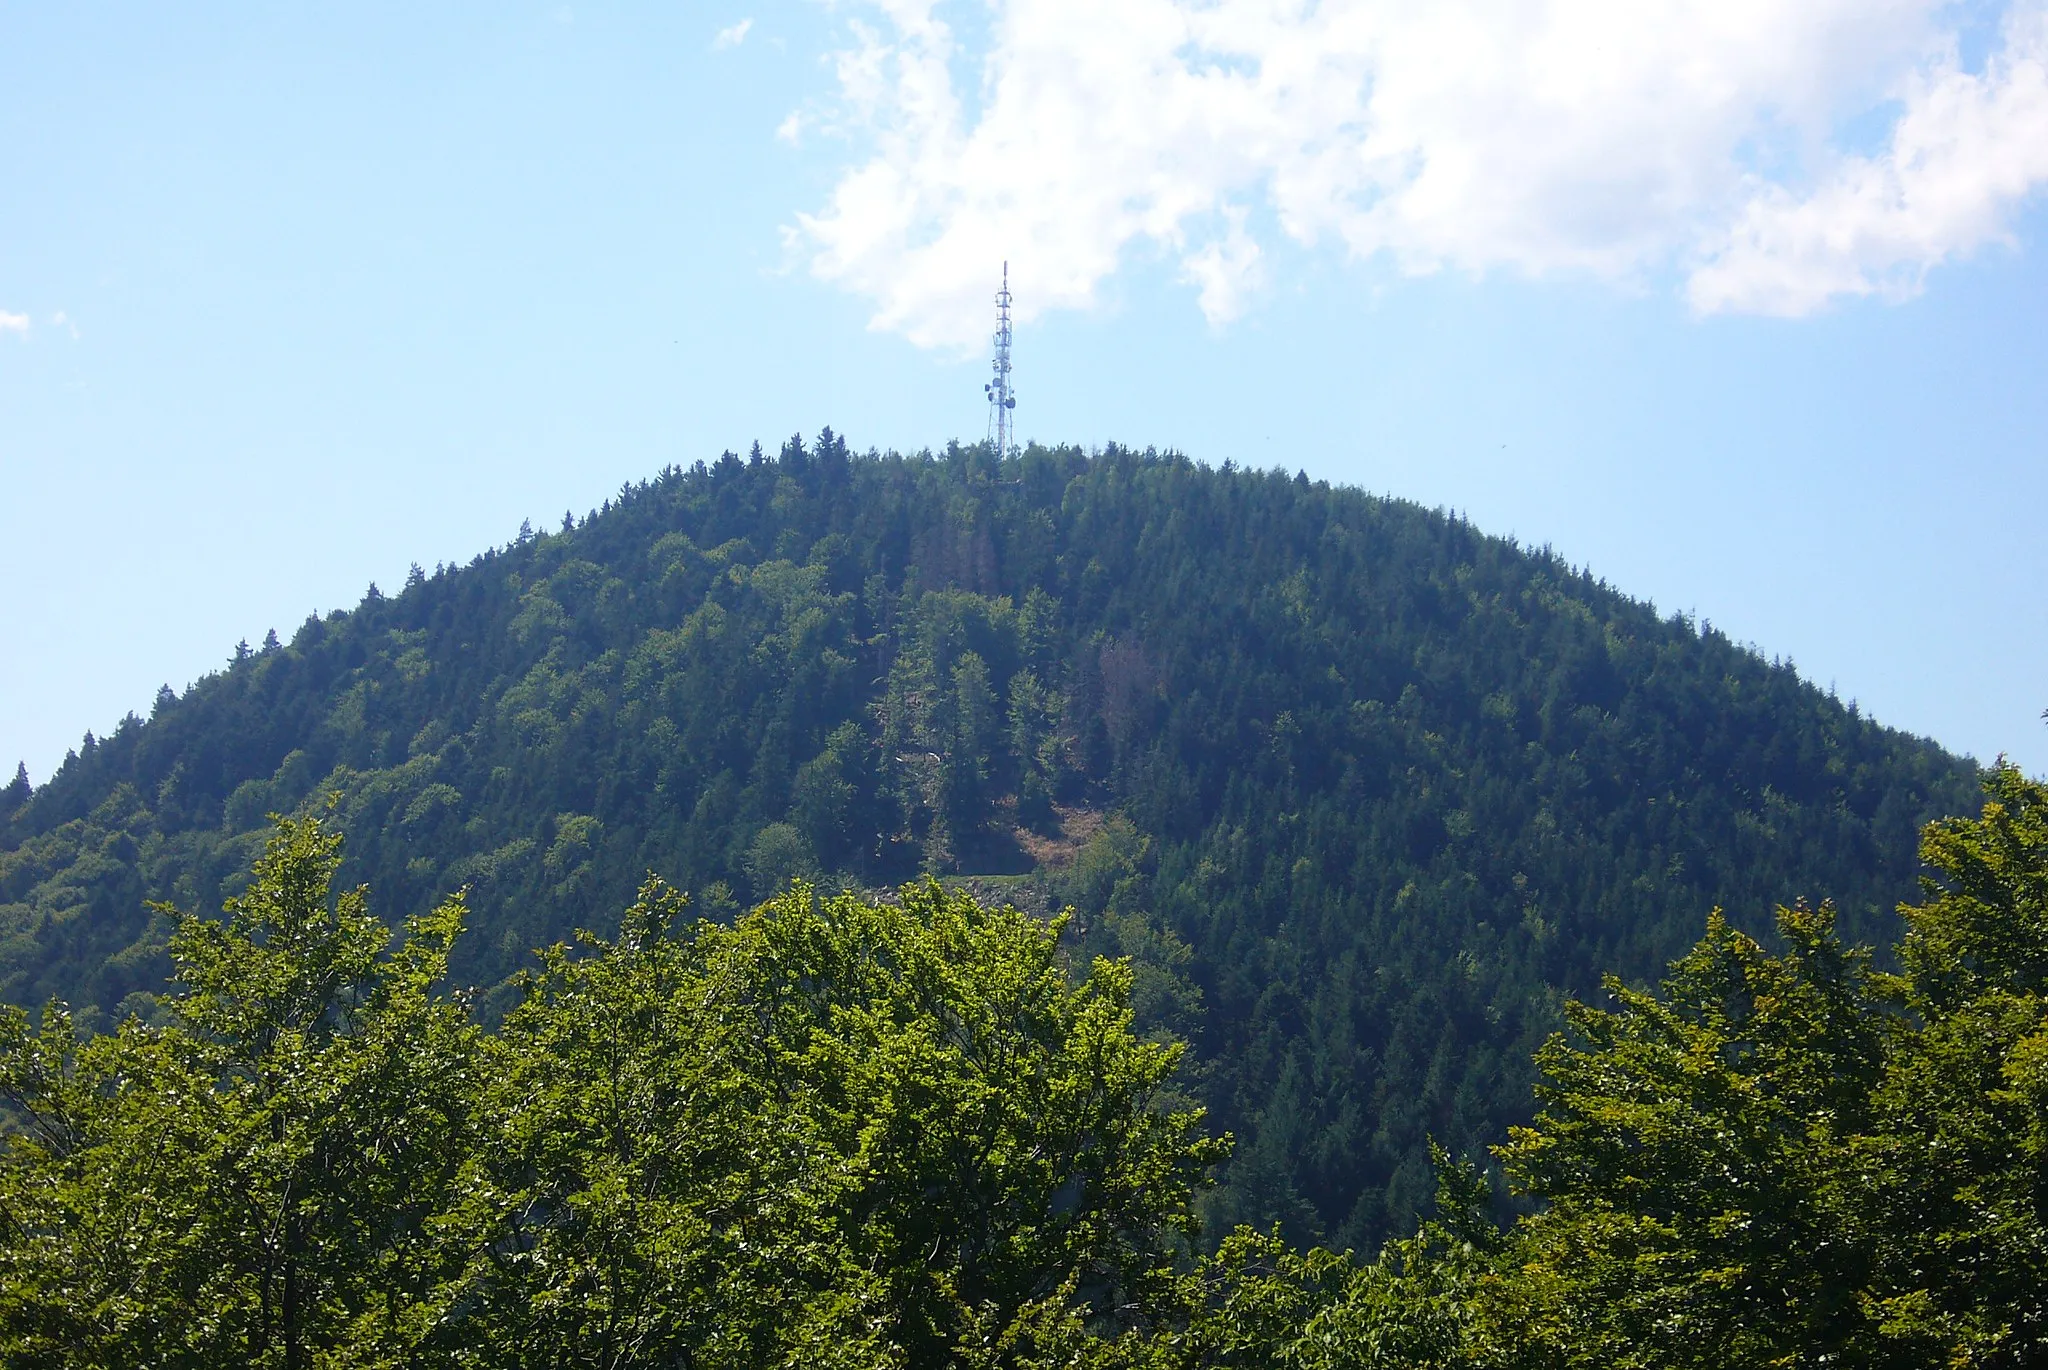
[[1002, 423]]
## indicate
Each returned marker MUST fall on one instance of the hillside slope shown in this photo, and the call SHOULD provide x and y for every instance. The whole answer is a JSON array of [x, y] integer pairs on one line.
[[1365, 787]]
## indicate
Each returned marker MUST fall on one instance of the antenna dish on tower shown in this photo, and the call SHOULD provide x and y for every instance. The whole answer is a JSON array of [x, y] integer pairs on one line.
[[1002, 425]]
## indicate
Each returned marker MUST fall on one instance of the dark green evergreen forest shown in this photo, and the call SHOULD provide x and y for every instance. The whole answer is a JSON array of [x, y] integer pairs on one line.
[[1364, 793]]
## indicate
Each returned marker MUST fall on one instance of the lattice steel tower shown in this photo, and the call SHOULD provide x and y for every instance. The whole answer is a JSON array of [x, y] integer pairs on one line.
[[1002, 401]]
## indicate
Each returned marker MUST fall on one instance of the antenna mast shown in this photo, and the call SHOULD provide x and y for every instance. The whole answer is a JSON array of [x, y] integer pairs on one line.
[[1002, 424]]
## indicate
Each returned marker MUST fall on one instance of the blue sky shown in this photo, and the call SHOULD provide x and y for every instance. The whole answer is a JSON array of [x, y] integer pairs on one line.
[[1740, 305]]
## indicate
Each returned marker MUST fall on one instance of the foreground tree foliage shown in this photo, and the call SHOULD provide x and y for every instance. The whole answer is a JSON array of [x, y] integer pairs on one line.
[[835, 1133], [258, 1181], [840, 1132], [1791, 1159]]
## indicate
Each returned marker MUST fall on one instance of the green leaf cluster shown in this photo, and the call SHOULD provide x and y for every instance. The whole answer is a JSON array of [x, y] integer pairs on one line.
[[260, 1177], [837, 1132], [1794, 1159]]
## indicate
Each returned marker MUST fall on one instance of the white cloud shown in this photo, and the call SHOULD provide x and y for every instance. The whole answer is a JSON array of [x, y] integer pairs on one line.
[[1965, 149], [13, 323], [1228, 269], [731, 37], [1620, 139]]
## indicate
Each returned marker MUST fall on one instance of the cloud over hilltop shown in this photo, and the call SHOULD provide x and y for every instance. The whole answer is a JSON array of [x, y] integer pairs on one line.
[[1764, 156]]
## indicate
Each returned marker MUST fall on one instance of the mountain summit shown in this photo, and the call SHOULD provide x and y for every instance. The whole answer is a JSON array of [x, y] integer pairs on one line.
[[1360, 789]]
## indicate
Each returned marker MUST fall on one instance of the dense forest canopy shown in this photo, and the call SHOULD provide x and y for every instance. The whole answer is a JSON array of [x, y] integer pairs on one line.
[[913, 1130], [1362, 791]]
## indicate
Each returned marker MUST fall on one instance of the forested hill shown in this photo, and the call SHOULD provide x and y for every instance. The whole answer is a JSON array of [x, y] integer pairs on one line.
[[1361, 787]]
